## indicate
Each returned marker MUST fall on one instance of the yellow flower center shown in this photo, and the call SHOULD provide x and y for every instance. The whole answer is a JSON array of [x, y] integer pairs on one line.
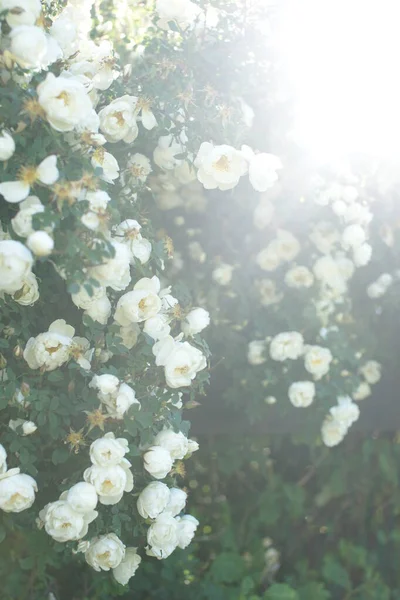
[[98, 155], [143, 104], [28, 175], [15, 498], [107, 486], [137, 171], [64, 96], [142, 304], [222, 164], [53, 349], [182, 370], [120, 118]]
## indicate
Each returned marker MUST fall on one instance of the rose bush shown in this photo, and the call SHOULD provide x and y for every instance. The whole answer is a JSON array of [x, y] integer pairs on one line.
[[152, 196]]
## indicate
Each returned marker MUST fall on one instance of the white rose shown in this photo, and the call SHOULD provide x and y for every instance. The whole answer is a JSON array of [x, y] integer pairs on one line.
[[65, 102], [120, 403], [268, 259], [157, 327], [29, 291], [138, 167], [378, 288], [263, 213], [195, 321], [138, 305], [33, 48], [327, 270], [353, 236], [299, 277], [162, 535], [301, 393], [372, 371], [324, 236], [317, 360], [256, 352], [129, 335], [40, 243], [128, 233], [153, 500], [3, 459], [108, 163], [63, 524], [108, 451], [183, 364], [15, 265], [165, 152], [346, 412], [22, 222], [219, 166], [7, 145], [127, 567], [118, 120], [82, 497], [158, 462], [51, 349], [193, 446], [286, 245], [176, 502], [187, 526], [223, 274], [106, 384], [175, 443], [97, 306], [17, 491], [105, 552], [26, 14], [184, 12], [46, 172], [114, 272], [65, 32], [27, 427], [110, 482], [363, 391], [263, 169], [268, 292], [163, 349], [332, 432], [289, 344], [362, 255]]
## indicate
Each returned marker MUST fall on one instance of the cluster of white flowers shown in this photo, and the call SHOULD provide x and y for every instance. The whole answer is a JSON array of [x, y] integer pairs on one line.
[[222, 167], [117, 397], [110, 472], [284, 248], [17, 490], [48, 351], [183, 12], [339, 420], [70, 103], [378, 288], [167, 447], [168, 530], [16, 277]]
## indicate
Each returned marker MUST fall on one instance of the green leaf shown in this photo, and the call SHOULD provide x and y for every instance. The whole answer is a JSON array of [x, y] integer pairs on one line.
[[281, 591], [333, 571], [314, 591], [228, 567], [60, 455]]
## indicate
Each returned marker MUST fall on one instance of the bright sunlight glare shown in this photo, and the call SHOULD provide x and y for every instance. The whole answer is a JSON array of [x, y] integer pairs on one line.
[[343, 59]]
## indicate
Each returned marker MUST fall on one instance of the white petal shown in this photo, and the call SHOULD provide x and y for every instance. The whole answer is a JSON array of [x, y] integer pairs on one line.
[[148, 119], [47, 170], [14, 191]]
